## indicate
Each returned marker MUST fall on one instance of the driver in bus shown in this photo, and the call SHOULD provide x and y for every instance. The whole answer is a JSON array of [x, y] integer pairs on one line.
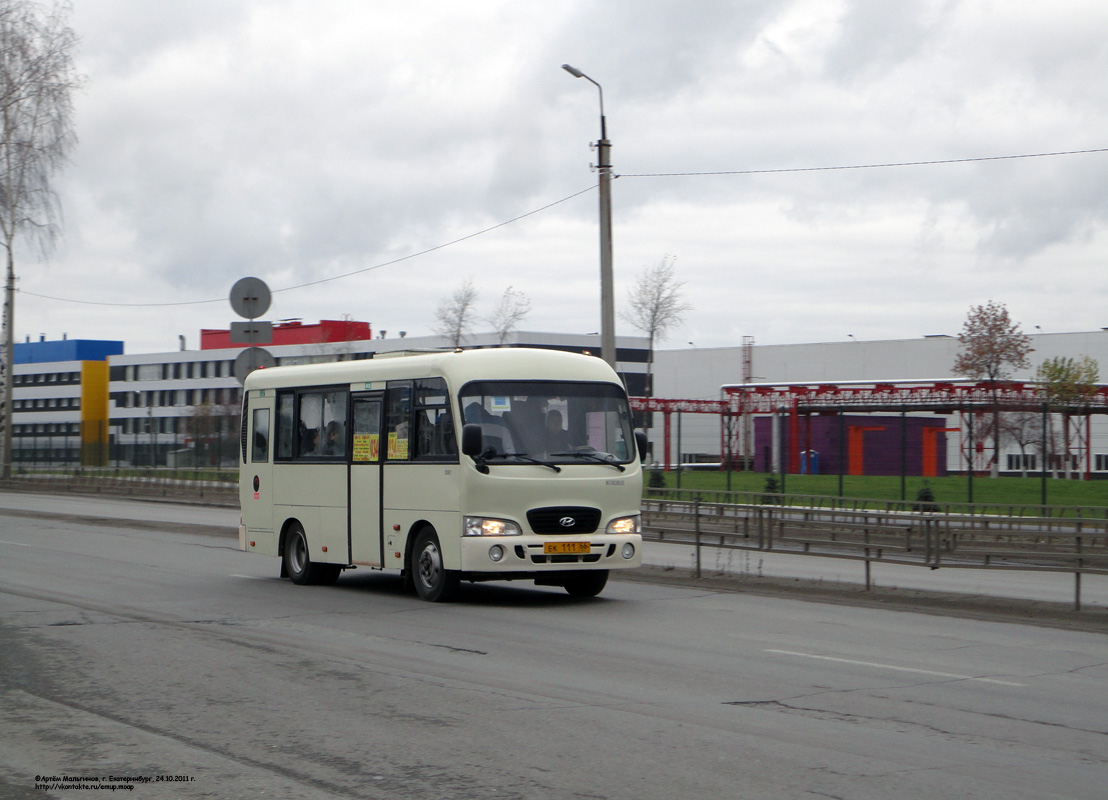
[[557, 438]]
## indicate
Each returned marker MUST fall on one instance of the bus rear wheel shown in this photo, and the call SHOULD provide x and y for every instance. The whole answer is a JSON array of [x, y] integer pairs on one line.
[[433, 581], [298, 564], [586, 584]]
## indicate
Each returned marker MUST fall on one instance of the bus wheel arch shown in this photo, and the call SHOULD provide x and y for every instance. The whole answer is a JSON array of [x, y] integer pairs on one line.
[[427, 570], [281, 538], [296, 561], [406, 571]]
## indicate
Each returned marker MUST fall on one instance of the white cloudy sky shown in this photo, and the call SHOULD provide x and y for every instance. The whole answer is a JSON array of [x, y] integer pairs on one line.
[[298, 140]]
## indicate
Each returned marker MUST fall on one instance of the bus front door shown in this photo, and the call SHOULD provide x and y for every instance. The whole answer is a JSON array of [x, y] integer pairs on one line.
[[365, 480]]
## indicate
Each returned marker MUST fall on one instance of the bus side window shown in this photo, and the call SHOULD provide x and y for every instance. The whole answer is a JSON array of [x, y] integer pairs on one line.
[[260, 450], [434, 436], [286, 425], [322, 424], [396, 420], [311, 424]]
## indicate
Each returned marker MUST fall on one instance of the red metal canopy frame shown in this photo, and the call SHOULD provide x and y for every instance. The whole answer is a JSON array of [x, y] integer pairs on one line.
[[950, 397]]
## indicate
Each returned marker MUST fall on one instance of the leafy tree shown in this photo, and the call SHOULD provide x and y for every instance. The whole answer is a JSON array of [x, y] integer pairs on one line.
[[1068, 381], [656, 305], [509, 312], [456, 313], [992, 347], [37, 78], [1068, 384]]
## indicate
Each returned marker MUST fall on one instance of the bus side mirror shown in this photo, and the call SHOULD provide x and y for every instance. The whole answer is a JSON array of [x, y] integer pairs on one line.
[[640, 440], [472, 444]]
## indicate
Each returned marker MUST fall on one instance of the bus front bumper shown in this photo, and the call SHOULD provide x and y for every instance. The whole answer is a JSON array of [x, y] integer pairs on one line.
[[540, 554]]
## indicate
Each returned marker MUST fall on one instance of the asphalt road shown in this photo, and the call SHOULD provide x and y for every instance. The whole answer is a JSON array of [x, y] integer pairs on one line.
[[133, 651]]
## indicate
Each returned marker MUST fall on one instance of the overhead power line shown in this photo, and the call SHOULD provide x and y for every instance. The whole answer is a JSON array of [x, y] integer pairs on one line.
[[539, 210], [859, 166], [323, 280]]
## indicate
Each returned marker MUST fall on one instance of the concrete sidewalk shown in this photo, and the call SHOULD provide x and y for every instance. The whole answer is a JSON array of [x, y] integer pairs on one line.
[[1051, 587]]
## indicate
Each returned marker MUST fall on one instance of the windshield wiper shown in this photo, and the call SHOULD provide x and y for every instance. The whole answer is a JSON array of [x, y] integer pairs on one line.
[[523, 457], [593, 457]]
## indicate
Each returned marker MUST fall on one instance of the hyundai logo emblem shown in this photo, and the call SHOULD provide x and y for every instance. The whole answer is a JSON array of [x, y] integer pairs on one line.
[[567, 522]]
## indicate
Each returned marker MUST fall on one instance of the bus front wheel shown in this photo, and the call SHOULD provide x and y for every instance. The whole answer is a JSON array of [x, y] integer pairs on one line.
[[433, 581], [298, 564], [586, 584]]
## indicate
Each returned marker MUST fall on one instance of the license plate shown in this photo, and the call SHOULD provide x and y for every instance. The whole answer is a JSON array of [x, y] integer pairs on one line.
[[566, 548]]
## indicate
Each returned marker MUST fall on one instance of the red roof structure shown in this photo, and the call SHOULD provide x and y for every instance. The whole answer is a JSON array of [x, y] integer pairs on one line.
[[295, 332]]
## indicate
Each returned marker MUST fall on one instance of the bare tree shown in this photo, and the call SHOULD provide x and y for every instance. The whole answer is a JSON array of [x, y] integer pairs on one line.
[[656, 305], [992, 346], [37, 79], [1025, 429], [455, 314], [512, 309]]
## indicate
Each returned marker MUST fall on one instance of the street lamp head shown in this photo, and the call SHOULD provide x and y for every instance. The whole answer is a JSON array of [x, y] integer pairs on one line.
[[579, 74]]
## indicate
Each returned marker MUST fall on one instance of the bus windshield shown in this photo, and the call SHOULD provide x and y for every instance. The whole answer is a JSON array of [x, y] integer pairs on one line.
[[556, 422]]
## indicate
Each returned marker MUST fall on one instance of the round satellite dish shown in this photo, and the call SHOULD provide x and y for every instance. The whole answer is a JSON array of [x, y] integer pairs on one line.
[[250, 359], [250, 297]]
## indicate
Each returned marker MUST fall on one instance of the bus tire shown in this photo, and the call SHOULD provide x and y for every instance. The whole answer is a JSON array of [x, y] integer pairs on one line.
[[297, 563], [586, 584], [433, 582]]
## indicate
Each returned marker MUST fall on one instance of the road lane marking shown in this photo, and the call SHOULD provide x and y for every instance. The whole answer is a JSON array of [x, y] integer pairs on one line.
[[18, 544], [895, 668]]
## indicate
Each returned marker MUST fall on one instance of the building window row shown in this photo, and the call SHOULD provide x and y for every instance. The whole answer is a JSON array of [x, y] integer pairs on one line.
[[38, 429], [178, 398], [46, 378], [185, 426], [47, 403], [1030, 462], [177, 371]]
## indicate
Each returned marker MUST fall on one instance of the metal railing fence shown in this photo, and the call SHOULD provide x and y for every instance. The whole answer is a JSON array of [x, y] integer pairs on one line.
[[1073, 542], [217, 487]]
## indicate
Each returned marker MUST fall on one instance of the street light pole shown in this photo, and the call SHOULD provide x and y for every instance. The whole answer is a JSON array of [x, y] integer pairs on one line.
[[607, 291]]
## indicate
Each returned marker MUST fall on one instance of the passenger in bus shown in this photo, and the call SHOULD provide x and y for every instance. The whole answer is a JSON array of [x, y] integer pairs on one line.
[[495, 435], [476, 414], [333, 444], [309, 442]]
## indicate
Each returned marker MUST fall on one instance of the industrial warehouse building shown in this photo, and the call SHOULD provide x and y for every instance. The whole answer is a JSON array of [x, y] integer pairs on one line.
[[86, 401], [702, 373]]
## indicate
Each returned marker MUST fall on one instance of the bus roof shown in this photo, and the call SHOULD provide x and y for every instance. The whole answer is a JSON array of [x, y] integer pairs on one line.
[[458, 367]]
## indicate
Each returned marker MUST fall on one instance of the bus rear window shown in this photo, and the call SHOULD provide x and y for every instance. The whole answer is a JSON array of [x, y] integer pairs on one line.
[[259, 452]]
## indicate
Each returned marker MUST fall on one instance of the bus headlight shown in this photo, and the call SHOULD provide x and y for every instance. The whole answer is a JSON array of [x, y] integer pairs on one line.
[[631, 524], [487, 526]]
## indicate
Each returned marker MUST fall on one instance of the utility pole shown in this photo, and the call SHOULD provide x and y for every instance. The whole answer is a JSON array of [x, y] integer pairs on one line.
[[607, 290]]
